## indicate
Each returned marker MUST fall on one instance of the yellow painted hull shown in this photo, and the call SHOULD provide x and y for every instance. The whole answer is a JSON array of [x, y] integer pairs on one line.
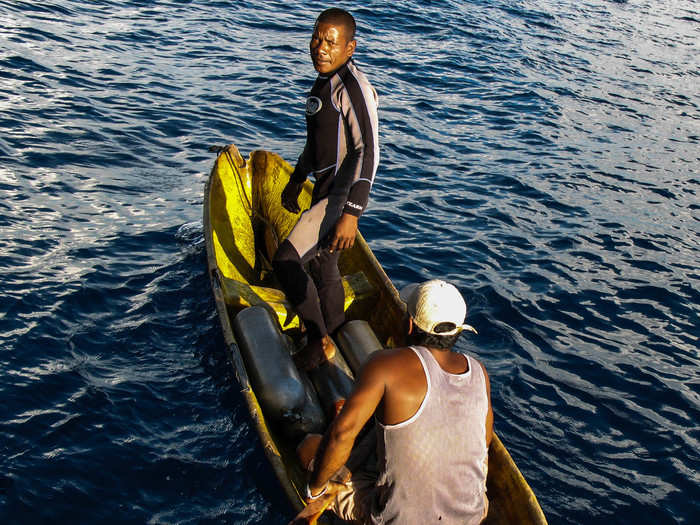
[[243, 224]]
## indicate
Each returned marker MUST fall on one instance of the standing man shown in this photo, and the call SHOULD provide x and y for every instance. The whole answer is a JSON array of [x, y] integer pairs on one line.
[[433, 422], [342, 153]]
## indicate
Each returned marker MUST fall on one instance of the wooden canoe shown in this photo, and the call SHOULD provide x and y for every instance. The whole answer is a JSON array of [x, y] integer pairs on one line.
[[243, 223]]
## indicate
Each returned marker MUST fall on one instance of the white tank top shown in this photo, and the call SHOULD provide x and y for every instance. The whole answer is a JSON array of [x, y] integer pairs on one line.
[[433, 465]]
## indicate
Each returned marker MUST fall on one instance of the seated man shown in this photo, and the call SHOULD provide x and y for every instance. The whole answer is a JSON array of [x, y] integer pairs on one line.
[[433, 422]]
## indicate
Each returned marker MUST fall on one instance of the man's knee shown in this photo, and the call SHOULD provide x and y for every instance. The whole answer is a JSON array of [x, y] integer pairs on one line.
[[286, 253], [326, 269], [290, 272]]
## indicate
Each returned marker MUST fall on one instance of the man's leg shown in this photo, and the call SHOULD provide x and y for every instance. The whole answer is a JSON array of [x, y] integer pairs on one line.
[[300, 247], [301, 292], [354, 482], [300, 289], [325, 272]]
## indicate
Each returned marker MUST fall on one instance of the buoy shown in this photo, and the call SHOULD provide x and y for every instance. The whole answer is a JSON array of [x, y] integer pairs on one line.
[[357, 342], [285, 397]]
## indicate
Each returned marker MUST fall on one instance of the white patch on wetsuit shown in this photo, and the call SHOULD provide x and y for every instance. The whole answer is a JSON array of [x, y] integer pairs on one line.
[[313, 106]]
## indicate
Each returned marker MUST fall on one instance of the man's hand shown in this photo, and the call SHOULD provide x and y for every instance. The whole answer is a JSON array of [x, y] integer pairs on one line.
[[290, 196], [345, 233], [315, 507]]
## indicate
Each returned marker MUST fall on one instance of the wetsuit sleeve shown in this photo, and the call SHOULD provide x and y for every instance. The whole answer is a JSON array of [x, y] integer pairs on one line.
[[302, 168], [362, 160], [358, 198]]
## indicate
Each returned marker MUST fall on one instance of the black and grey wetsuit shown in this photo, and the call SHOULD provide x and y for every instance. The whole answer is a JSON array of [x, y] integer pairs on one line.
[[342, 153]]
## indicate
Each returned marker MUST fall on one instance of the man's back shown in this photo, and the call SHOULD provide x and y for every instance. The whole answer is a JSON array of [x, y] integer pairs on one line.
[[406, 383], [432, 438]]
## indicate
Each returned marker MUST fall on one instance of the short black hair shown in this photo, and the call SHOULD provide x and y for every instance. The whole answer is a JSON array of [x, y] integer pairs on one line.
[[420, 337], [338, 16]]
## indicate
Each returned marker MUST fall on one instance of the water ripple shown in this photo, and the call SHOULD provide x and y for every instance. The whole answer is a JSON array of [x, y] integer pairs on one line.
[[542, 157]]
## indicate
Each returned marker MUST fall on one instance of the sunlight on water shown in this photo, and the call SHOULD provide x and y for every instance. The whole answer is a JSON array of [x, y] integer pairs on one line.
[[543, 156]]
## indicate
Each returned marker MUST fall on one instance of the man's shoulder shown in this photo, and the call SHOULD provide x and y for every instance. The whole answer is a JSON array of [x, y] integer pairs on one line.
[[351, 73], [392, 361], [354, 89], [355, 70], [479, 364], [391, 354]]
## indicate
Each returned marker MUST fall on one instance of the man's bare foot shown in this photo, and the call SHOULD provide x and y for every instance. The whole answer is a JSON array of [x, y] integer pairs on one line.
[[315, 353]]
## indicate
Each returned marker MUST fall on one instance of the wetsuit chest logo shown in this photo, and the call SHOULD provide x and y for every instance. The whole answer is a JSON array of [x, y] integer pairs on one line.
[[313, 106]]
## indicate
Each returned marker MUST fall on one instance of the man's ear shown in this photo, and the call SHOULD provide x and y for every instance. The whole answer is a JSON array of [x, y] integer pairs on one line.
[[350, 47], [410, 325]]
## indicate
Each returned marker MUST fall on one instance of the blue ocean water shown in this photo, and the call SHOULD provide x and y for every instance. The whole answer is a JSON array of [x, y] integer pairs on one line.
[[544, 156]]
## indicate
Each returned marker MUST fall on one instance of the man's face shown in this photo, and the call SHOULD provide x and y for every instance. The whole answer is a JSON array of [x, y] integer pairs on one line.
[[329, 47]]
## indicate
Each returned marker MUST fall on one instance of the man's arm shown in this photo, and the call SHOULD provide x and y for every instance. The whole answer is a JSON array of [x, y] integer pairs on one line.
[[290, 193], [361, 121], [360, 164], [338, 440], [302, 167], [345, 233]]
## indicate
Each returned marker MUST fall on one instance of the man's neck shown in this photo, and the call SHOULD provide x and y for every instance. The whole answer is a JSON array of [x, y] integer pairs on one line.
[[449, 361]]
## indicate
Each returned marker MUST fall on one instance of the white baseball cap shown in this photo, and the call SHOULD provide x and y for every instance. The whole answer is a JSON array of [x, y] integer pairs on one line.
[[436, 306]]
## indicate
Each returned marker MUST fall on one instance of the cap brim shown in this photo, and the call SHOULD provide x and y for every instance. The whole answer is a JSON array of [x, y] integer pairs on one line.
[[469, 328]]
